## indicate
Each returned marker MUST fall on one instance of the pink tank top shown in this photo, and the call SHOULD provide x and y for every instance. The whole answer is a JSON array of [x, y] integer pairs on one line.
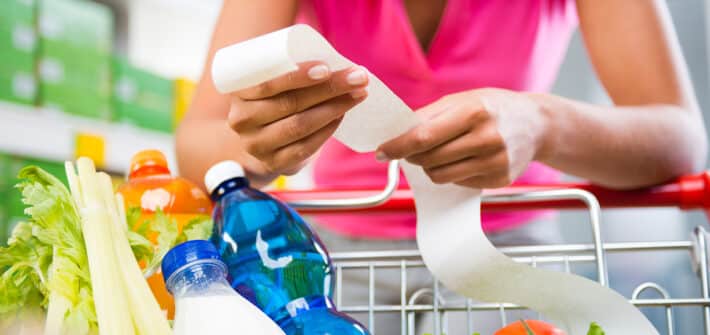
[[516, 45]]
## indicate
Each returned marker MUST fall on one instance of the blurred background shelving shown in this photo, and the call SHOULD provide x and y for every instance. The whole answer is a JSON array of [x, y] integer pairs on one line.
[[70, 86]]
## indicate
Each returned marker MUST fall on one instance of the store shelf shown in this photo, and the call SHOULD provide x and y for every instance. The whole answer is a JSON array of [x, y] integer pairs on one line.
[[45, 134]]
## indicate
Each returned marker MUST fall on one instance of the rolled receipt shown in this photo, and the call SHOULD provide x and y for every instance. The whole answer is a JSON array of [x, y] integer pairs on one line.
[[449, 233]]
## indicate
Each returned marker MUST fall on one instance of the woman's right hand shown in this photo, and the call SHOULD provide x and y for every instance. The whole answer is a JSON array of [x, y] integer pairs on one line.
[[284, 121]]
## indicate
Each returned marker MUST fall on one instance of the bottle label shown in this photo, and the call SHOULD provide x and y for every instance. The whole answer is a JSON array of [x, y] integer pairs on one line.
[[297, 305], [262, 248]]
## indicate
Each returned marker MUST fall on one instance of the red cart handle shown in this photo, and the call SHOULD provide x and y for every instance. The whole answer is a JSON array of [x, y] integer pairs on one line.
[[688, 192]]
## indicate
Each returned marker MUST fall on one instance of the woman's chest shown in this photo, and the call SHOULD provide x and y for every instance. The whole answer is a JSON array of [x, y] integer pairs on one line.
[[473, 43]]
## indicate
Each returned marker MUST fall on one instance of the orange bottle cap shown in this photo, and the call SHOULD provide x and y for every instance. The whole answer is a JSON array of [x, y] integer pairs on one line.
[[148, 162]]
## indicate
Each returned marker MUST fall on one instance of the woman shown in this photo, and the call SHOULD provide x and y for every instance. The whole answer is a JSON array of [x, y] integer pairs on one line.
[[478, 72]]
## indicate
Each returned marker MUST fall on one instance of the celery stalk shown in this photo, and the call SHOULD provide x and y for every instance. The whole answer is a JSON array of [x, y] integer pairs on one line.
[[57, 308], [147, 315], [109, 293]]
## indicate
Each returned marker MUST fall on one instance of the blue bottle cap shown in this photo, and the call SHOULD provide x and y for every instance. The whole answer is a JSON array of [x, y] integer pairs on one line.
[[186, 253]]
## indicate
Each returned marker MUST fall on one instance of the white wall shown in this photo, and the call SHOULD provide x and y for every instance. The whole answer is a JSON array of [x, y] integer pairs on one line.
[[170, 37]]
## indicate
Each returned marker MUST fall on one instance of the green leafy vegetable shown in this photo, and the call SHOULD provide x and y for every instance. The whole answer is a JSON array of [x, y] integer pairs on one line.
[[594, 329], [166, 230], [45, 262], [197, 229], [167, 237]]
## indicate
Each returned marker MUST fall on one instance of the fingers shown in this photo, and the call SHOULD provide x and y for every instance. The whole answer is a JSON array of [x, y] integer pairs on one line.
[[297, 152], [263, 141], [477, 169], [308, 74], [250, 114], [480, 142], [440, 129]]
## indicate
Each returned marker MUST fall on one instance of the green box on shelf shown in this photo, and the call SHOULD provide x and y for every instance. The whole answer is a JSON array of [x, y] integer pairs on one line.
[[64, 64], [4, 223], [12, 60], [141, 88], [6, 180], [74, 56], [160, 120], [18, 36], [11, 166], [75, 101], [18, 87], [86, 24], [13, 197], [18, 11], [14, 209]]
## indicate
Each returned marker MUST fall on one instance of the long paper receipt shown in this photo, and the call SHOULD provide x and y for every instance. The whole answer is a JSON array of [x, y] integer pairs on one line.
[[449, 233]]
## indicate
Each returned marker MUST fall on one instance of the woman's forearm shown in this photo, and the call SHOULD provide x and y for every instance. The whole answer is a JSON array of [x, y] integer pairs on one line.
[[621, 147], [204, 137]]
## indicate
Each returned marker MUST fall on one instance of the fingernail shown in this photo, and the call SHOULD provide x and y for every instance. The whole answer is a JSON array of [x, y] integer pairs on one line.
[[381, 156], [357, 77], [318, 72], [359, 93]]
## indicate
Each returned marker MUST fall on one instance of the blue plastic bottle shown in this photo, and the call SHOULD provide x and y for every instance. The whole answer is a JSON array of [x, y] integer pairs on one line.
[[273, 257]]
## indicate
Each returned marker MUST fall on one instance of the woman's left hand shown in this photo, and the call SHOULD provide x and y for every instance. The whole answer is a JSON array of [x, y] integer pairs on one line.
[[482, 138]]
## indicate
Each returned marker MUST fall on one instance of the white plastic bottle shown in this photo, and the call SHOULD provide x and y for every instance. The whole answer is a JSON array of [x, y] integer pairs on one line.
[[205, 304]]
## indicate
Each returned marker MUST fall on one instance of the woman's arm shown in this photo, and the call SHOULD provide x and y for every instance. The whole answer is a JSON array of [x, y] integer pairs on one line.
[[275, 127], [485, 138], [204, 136], [655, 131]]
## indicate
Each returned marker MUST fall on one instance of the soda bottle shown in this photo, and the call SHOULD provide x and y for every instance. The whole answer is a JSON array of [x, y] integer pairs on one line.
[[151, 187], [205, 303], [274, 259]]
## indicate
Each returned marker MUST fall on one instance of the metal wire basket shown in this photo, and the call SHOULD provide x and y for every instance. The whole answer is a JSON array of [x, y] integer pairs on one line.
[[692, 192]]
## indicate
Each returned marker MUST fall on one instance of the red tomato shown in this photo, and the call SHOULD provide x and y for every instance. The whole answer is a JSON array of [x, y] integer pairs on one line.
[[538, 328]]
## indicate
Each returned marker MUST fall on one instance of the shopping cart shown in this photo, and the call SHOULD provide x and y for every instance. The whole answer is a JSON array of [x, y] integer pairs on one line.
[[688, 193]]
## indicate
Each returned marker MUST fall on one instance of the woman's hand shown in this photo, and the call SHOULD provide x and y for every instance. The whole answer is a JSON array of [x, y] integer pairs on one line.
[[283, 122], [482, 138]]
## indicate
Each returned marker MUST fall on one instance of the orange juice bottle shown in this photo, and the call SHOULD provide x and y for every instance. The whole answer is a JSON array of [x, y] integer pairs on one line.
[[151, 187]]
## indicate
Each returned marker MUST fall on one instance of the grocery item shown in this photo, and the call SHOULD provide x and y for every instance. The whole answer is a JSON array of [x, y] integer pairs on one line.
[[18, 10], [274, 259], [123, 301], [84, 24], [46, 262], [537, 327], [49, 241], [10, 167], [142, 98], [160, 206], [76, 101], [18, 87], [18, 46], [206, 304], [529, 327], [66, 64], [74, 60]]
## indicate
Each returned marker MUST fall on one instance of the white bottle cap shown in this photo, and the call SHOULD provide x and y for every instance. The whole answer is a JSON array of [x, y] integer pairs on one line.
[[222, 172]]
